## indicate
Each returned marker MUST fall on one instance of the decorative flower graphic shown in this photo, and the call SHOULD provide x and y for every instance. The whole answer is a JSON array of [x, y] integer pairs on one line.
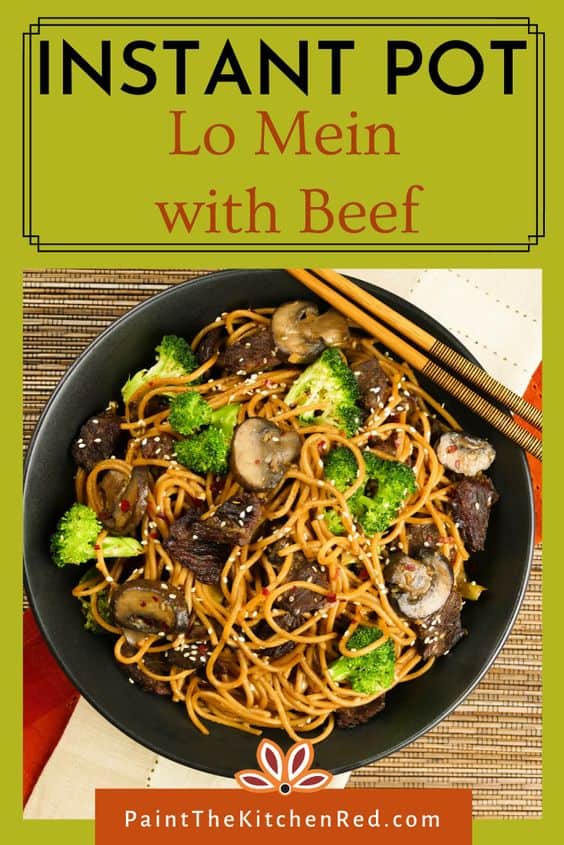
[[284, 773]]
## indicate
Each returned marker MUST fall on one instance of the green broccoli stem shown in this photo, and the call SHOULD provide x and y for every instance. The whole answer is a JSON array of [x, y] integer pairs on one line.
[[225, 418], [340, 670], [132, 385], [121, 547]]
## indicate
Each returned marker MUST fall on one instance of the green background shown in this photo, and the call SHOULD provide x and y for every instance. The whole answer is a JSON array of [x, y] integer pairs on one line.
[[18, 254]]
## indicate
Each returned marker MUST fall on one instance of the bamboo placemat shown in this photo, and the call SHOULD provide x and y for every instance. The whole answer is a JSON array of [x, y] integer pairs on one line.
[[492, 742]]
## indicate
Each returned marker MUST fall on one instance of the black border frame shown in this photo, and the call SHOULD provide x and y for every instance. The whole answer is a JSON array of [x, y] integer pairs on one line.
[[283, 247]]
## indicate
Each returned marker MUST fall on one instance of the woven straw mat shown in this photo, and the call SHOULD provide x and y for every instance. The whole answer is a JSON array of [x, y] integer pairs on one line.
[[492, 742]]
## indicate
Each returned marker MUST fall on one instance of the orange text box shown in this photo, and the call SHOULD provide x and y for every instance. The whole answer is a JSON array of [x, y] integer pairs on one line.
[[397, 816]]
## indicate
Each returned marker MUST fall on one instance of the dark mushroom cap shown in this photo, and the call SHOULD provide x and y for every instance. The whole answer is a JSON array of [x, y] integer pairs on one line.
[[261, 453], [124, 499], [301, 333], [419, 587], [151, 607]]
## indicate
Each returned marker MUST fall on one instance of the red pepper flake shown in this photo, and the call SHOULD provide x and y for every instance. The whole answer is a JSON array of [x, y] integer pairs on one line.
[[142, 604], [265, 591], [363, 575], [409, 566], [322, 446], [97, 547], [451, 449], [155, 598], [332, 598], [153, 535], [202, 649], [124, 505], [268, 383]]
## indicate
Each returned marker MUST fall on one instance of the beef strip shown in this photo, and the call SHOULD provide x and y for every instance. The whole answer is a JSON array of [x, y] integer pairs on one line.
[[124, 500], [226, 667], [421, 537], [234, 522], [159, 447], [440, 631], [97, 440], [350, 717], [154, 662], [209, 345], [470, 505], [272, 551], [206, 559], [299, 600], [374, 385], [253, 354], [389, 446], [289, 622]]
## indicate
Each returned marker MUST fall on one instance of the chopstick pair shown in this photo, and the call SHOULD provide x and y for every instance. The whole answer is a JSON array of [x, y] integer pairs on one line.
[[500, 420]]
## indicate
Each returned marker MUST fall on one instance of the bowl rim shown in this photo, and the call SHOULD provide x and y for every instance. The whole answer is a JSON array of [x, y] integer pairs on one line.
[[218, 768]]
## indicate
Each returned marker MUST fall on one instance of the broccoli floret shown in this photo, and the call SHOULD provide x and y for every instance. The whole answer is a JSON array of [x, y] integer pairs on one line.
[[370, 673], [208, 450], [205, 452], [102, 603], [389, 484], [76, 535], [376, 503], [328, 381], [334, 522], [189, 412], [174, 360], [341, 467]]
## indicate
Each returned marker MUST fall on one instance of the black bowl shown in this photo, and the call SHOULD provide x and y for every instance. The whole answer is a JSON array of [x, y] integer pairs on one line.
[[95, 378]]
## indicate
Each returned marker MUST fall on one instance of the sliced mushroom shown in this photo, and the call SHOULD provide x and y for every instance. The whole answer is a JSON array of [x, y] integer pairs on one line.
[[332, 328], [151, 607], [124, 499], [465, 454], [261, 453], [301, 333], [419, 587]]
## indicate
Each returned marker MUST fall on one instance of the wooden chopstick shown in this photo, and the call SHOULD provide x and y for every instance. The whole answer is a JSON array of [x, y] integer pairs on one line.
[[469, 371], [415, 358]]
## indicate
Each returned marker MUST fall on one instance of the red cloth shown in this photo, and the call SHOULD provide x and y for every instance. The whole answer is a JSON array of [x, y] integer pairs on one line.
[[533, 394], [49, 699]]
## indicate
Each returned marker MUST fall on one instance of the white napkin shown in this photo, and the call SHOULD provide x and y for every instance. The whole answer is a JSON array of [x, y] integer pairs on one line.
[[497, 315]]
